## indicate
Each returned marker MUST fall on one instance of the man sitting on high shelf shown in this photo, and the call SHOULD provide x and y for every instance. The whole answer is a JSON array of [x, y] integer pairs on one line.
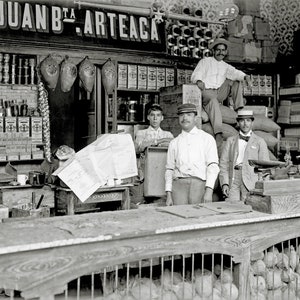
[[217, 80], [152, 136]]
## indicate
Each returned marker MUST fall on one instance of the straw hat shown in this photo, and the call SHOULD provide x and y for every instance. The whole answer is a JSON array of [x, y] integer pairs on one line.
[[245, 114], [218, 42]]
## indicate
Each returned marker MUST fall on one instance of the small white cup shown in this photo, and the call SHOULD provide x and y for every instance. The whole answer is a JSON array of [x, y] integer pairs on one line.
[[22, 178]]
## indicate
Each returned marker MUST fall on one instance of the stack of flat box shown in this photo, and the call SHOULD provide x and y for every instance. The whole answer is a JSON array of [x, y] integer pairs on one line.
[[290, 139], [295, 113], [284, 112]]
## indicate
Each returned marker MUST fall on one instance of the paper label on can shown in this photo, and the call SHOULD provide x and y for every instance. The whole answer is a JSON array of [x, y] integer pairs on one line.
[[122, 76], [132, 76], [142, 77], [170, 76], [161, 77], [151, 78]]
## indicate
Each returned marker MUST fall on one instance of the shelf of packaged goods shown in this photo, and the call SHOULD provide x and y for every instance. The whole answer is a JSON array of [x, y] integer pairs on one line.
[[292, 90], [137, 90]]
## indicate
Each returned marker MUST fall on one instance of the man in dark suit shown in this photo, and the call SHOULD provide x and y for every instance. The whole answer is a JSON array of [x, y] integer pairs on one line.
[[236, 176]]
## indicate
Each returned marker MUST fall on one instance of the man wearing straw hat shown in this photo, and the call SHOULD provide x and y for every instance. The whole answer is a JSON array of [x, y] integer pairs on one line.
[[236, 176], [217, 80]]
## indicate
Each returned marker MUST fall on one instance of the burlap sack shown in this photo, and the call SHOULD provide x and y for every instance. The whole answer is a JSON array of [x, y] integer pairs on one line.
[[228, 131], [50, 71], [87, 73], [271, 140], [265, 124], [204, 116], [208, 128], [68, 74], [228, 115], [272, 156]]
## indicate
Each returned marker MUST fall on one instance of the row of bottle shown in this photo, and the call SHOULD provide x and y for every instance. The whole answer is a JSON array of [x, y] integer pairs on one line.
[[134, 110], [11, 108]]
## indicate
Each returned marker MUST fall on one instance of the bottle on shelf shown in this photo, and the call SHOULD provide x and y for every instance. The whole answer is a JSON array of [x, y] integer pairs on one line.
[[7, 109], [2, 111], [14, 109], [24, 108]]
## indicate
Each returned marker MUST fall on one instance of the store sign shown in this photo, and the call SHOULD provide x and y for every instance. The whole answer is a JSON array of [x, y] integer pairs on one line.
[[89, 27]]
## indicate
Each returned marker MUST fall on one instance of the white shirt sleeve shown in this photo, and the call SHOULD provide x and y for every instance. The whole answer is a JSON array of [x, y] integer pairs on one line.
[[212, 160], [198, 73], [170, 165], [234, 74]]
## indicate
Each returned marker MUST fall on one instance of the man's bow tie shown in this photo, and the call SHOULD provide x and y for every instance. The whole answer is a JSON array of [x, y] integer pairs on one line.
[[245, 138]]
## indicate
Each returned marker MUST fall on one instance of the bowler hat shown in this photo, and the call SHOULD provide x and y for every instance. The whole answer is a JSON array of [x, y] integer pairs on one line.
[[245, 114], [218, 42], [186, 108]]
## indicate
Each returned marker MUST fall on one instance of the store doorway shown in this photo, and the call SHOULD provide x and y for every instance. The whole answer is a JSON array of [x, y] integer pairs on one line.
[[88, 112]]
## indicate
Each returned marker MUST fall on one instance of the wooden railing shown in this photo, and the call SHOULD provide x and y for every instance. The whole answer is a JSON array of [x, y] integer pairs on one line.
[[40, 257]]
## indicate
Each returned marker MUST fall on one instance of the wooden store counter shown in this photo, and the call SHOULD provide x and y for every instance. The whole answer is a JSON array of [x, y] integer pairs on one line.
[[39, 257]]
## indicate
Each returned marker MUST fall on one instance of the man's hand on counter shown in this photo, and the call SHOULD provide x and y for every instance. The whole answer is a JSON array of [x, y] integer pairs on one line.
[[169, 201], [207, 197], [225, 190]]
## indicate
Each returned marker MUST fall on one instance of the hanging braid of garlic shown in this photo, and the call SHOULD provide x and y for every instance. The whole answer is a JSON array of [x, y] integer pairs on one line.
[[44, 111]]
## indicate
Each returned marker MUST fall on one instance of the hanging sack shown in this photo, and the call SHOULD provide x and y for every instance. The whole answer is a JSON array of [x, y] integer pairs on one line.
[[68, 74], [87, 74], [109, 76], [50, 71]]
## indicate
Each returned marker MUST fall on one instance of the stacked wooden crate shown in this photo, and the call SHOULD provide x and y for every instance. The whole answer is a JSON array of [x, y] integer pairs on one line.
[[171, 98]]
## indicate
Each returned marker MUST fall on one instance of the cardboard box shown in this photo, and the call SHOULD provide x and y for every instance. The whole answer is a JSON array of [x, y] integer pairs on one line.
[[255, 84], [171, 97], [181, 78], [122, 76], [235, 49], [142, 77], [155, 161], [188, 74], [261, 29], [23, 124], [291, 143], [132, 77], [241, 27], [25, 156], [248, 7], [170, 76], [37, 154], [10, 124], [36, 126], [269, 51], [151, 78], [160, 77], [252, 52]]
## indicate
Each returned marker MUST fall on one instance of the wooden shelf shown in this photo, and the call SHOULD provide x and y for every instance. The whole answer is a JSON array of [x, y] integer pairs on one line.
[[23, 161], [259, 95]]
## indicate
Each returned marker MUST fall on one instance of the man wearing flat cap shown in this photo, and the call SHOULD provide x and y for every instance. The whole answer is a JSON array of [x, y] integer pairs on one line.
[[236, 176], [217, 80], [192, 162]]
